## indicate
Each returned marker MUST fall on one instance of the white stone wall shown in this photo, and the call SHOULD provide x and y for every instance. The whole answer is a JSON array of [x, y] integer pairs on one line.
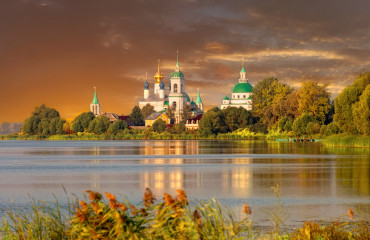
[[158, 106]]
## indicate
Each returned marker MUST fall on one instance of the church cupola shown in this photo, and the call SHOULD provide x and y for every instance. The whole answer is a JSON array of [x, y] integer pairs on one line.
[[95, 105], [161, 90], [199, 102], [242, 73], [146, 87], [158, 76]]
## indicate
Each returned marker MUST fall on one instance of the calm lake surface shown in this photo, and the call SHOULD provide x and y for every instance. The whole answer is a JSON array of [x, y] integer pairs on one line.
[[315, 182]]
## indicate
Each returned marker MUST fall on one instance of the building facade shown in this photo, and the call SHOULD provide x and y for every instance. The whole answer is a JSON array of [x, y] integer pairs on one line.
[[175, 97], [241, 94]]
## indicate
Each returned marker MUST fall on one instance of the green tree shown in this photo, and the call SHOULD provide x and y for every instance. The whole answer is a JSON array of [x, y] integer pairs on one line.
[[136, 116], [302, 125], [347, 106], [314, 99], [56, 126], [186, 113], [99, 125], [361, 112], [39, 121], [267, 98], [147, 110], [212, 122], [118, 126], [81, 122], [159, 125]]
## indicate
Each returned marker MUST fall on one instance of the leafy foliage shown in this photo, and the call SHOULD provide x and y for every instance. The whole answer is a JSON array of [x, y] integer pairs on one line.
[[82, 122], [159, 125], [136, 116], [43, 121], [314, 99], [118, 126], [147, 110], [99, 125], [347, 106]]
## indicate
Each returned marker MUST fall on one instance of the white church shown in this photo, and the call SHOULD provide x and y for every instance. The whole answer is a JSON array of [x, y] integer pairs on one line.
[[175, 97], [241, 95]]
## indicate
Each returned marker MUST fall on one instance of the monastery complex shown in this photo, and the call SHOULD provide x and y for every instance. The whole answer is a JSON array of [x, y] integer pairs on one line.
[[174, 101]]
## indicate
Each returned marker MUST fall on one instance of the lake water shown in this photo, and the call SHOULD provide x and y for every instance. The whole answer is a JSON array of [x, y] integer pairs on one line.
[[315, 182]]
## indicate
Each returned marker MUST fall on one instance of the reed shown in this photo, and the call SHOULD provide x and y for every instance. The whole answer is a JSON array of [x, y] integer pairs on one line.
[[341, 140], [173, 217]]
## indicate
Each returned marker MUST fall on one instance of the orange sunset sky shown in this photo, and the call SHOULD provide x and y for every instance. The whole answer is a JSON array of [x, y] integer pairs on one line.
[[56, 51]]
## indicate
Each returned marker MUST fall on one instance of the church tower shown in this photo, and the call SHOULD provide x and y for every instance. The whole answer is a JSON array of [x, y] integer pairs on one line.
[[199, 102], [177, 97], [95, 105]]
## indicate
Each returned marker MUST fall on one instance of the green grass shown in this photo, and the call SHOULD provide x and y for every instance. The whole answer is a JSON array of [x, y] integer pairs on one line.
[[341, 140]]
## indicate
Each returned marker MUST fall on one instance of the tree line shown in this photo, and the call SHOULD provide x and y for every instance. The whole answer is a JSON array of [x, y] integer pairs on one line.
[[276, 107]]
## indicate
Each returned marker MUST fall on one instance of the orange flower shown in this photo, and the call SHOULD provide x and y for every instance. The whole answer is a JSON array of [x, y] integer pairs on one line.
[[111, 197], [246, 209], [133, 210], [182, 196], [94, 196], [83, 204], [148, 197], [96, 208], [168, 198], [351, 213], [122, 206]]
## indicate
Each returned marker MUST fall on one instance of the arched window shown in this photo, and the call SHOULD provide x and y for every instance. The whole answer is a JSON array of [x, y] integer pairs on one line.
[[174, 105], [243, 96], [238, 96], [175, 87]]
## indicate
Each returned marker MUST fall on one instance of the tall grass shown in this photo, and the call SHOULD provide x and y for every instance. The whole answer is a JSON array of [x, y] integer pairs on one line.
[[342, 140], [170, 218]]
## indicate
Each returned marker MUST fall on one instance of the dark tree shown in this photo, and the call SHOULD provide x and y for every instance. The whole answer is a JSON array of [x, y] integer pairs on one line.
[[159, 125], [136, 116], [39, 121], [147, 110]]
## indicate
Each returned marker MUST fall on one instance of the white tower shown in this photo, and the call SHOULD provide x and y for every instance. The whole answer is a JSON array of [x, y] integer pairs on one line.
[[95, 105], [177, 97]]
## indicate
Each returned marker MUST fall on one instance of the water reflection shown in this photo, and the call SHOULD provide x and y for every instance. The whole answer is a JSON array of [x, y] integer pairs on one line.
[[310, 176]]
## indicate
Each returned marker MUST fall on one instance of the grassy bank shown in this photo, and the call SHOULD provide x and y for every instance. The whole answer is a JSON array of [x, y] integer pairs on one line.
[[171, 218], [341, 140]]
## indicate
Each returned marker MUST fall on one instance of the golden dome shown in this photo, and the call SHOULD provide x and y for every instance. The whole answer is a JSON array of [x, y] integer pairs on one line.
[[158, 76]]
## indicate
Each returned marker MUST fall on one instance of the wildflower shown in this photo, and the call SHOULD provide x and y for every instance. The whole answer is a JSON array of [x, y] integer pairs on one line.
[[80, 216], [96, 208], [110, 196], [182, 196], [351, 213], [112, 200], [196, 215], [133, 210], [122, 206], [83, 204], [246, 209], [143, 212], [94, 196], [148, 197], [168, 198]]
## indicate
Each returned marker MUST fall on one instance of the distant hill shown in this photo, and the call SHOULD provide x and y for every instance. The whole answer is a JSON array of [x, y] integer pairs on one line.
[[7, 128]]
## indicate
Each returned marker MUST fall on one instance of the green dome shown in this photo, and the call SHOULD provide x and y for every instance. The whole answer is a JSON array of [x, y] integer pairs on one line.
[[226, 98], [244, 87], [178, 74], [187, 97], [95, 99]]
